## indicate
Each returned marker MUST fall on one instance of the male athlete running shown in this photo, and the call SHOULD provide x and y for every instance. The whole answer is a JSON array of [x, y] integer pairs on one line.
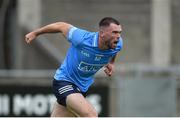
[[88, 52]]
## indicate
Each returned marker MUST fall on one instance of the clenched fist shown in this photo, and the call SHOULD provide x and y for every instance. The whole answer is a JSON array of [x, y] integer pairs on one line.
[[30, 36], [109, 69]]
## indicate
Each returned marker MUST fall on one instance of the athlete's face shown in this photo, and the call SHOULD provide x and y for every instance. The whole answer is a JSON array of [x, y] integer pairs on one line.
[[110, 35]]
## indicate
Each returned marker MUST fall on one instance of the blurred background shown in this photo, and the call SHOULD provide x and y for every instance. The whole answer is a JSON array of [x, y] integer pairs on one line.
[[146, 80]]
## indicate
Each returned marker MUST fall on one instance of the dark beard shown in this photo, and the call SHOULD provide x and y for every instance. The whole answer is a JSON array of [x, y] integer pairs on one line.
[[108, 44]]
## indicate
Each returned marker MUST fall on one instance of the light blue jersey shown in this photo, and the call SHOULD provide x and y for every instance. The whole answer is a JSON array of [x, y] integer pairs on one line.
[[84, 58]]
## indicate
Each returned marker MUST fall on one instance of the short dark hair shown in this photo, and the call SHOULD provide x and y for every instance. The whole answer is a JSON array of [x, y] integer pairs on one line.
[[107, 21]]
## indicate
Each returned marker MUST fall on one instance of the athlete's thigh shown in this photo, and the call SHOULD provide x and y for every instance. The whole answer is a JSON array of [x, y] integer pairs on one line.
[[61, 111], [79, 105]]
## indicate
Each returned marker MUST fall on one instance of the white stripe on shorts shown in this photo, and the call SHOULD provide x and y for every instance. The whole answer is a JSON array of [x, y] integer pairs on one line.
[[65, 89]]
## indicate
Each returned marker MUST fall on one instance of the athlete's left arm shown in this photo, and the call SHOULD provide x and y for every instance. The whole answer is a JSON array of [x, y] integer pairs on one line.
[[109, 68]]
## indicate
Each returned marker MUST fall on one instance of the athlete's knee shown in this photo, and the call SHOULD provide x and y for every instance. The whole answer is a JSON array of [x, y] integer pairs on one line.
[[91, 113]]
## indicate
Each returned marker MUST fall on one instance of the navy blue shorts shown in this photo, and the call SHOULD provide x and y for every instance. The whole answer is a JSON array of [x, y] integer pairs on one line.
[[62, 89]]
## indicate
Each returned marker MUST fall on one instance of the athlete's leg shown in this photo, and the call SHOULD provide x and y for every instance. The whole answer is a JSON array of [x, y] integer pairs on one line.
[[80, 106], [61, 111]]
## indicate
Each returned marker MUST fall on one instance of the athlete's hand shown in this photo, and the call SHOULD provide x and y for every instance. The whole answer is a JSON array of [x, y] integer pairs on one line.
[[30, 36], [109, 69]]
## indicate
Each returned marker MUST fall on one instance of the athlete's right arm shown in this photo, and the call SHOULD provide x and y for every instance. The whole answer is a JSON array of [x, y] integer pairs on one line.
[[57, 27]]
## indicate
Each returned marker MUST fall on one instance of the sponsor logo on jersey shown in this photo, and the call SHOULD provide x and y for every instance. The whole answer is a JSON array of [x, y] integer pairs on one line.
[[86, 67]]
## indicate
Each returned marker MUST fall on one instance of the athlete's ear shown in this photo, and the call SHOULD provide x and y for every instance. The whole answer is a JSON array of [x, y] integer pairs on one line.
[[101, 33]]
